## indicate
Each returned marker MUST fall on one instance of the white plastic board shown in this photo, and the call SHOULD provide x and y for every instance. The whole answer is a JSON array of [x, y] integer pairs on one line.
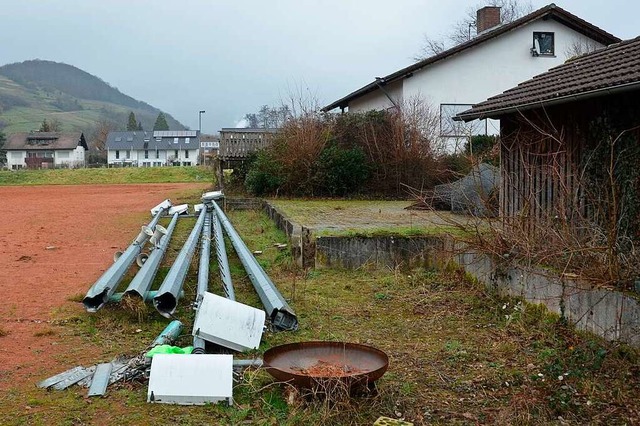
[[191, 379], [228, 323]]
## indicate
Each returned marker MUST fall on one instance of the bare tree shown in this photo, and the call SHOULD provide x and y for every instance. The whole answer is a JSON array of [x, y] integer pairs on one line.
[[580, 47], [430, 47], [99, 134], [465, 29]]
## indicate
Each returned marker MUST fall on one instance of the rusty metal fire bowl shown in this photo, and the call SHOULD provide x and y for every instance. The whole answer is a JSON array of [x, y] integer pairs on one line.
[[307, 363]]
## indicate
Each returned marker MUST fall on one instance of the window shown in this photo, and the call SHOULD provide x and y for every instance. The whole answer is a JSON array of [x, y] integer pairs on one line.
[[146, 153], [175, 140], [157, 153], [543, 44], [128, 154], [451, 128], [186, 140], [117, 154], [186, 154], [63, 154], [176, 153]]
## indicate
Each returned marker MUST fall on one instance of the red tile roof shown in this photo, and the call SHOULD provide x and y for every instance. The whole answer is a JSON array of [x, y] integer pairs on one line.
[[614, 68]]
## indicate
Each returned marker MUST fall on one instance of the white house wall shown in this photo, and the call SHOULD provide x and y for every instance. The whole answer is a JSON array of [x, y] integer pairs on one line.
[[136, 157], [378, 99], [479, 72], [492, 67], [15, 159], [70, 158]]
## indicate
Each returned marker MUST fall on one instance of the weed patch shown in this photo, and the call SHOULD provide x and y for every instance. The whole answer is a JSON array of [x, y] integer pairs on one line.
[[458, 353]]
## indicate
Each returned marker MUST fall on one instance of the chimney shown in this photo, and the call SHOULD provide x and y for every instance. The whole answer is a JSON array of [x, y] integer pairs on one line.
[[487, 18]]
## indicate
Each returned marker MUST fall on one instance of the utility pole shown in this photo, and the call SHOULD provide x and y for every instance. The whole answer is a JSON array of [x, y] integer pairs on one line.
[[200, 120]]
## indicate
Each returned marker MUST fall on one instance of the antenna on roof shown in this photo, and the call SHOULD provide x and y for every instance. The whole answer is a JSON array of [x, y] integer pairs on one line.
[[535, 50]]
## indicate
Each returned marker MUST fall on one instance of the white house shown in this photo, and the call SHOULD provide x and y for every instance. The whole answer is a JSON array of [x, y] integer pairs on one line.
[[45, 150], [153, 149], [209, 147], [499, 57]]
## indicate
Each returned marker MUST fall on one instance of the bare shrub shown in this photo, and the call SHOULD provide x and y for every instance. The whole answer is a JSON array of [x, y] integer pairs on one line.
[[569, 204], [376, 152]]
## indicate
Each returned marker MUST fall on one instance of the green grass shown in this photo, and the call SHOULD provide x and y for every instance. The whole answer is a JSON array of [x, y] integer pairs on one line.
[[458, 354], [106, 176]]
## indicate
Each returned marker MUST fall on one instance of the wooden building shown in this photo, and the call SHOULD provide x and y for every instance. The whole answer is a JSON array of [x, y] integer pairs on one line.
[[562, 129], [236, 144]]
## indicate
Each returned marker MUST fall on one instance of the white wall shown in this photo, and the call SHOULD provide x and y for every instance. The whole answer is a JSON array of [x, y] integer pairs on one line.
[[16, 158], [136, 157], [377, 99], [71, 157], [491, 68], [480, 72]]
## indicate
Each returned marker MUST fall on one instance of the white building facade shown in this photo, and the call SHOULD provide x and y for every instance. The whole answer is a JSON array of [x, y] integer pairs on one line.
[[45, 150], [498, 58], [153, 149]]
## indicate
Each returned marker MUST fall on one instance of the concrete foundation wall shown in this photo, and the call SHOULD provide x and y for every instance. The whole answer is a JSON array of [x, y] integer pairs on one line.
[[380, 252], [606, 313]]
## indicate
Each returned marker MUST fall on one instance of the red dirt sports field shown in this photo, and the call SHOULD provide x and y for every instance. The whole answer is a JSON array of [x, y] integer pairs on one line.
[[55, 241]]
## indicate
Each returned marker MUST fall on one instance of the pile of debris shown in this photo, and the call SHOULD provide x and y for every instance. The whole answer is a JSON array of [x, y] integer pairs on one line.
[[227, 324]]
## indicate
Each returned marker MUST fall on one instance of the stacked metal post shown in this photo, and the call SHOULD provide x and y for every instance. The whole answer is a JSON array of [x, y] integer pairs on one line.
[[203, 273], [141, 283], [223, 261], [166, 300], [281, 315], [99, 294]]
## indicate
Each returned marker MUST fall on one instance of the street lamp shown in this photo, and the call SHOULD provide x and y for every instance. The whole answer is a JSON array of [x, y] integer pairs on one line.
[[200, 120]]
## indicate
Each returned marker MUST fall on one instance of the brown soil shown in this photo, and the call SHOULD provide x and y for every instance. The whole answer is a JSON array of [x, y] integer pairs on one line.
[[329, 370], [55, 241]]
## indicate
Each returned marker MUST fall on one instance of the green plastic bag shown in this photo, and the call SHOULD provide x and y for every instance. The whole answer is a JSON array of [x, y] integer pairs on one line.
[[168, 349]]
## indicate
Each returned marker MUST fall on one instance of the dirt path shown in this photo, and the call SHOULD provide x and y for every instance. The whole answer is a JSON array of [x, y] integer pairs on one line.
[[55, 241]]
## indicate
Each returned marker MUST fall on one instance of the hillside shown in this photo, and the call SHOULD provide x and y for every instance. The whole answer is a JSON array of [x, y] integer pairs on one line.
[[31, 91]]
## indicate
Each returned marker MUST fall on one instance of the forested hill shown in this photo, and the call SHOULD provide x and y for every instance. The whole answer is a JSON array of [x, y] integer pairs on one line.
[[34, 90], [68, 79]]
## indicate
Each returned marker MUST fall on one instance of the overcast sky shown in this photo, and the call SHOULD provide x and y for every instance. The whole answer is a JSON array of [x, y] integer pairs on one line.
[[229, 57]]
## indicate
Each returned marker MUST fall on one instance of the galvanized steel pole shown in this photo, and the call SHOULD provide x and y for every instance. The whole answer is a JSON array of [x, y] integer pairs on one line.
[[203, 273], [170, 333], [141, 283], [223, 261], [281, 315], [166, 300], [98, 295]]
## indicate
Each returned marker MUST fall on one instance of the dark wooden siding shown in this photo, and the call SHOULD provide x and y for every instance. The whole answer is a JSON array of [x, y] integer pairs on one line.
[[541, 155]]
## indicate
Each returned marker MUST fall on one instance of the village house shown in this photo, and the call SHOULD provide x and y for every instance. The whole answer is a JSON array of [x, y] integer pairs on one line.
[[153, 149], [36, 150], [560, 128], [209, 147], [499, 57]]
